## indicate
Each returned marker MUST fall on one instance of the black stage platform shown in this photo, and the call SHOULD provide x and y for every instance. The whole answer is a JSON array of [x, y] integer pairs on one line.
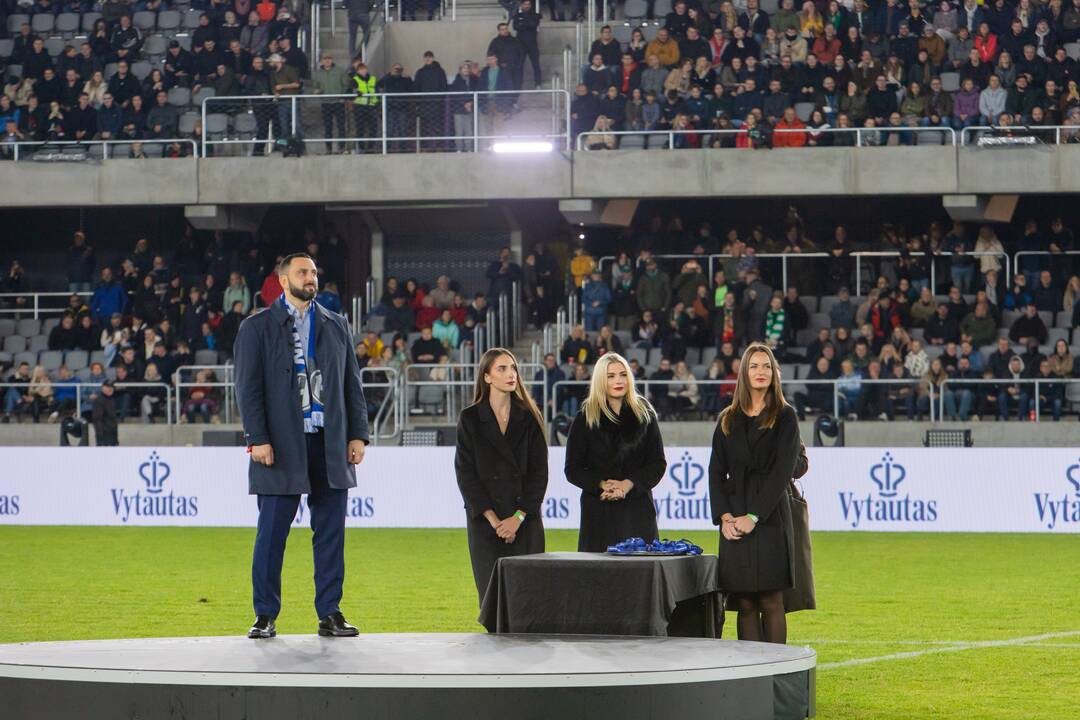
[[400, 677]]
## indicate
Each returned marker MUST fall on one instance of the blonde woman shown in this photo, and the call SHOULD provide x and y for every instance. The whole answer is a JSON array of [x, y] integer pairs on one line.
[[1071, 295], [755, 449], [41, 393], [988, 242], [501, 465], [615, 454]]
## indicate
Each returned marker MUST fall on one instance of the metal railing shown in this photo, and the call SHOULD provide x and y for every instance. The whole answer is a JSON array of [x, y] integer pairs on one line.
[[858, 255], [35, 307], [223, 378], [1034, 409], [1024, 253], [396, 122], [452, 394], [1070, 133], [864, 137], [391, 411], [66, 150], [643, 386], [80, 387]]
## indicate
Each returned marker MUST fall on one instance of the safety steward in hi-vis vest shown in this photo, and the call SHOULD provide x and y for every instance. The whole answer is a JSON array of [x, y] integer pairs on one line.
[[365, 109]]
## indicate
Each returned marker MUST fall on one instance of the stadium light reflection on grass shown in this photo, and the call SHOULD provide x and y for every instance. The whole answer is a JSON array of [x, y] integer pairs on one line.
[[522, 146]]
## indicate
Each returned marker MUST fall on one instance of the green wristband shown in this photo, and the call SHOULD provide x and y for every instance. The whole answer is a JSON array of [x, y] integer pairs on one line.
[[753, 517], [519, 515]]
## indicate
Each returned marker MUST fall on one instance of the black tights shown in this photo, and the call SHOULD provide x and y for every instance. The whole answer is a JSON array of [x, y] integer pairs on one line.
[[761, 617]]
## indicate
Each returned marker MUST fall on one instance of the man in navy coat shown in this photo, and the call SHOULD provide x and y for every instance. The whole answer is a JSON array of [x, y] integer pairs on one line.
[[305, 422]]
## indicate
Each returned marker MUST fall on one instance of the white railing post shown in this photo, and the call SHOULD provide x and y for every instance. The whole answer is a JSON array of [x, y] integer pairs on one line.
[[385, 126], [205, 139], [476, 121]]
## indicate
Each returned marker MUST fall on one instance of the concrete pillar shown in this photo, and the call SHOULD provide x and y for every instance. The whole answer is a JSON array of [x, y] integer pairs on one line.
[[517, 238], [378, 247]]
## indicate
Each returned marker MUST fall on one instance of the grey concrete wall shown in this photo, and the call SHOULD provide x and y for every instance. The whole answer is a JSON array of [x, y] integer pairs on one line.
[[452, 177], [109, 182], [790, 171], [858, 434], [385, 178]]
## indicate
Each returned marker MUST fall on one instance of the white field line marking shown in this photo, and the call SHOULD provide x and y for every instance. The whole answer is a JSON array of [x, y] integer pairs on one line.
[[825, 641], [951, 648]]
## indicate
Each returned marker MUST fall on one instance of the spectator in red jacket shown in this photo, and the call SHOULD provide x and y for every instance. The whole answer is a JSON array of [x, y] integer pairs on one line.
[[790, 121], [986, 43]]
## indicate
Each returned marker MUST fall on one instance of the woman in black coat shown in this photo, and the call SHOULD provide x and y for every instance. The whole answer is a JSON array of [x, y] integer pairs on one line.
[[615, 454], [501, 465], [754, 455]]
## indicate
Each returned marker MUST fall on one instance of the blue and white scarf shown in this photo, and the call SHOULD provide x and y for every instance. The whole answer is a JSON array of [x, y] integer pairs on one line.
[[309, 379]]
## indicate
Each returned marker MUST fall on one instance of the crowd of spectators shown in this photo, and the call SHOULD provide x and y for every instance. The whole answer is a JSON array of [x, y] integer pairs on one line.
[[117, 81], [146, 316], [889, 66], [112, 86], [972, 326]]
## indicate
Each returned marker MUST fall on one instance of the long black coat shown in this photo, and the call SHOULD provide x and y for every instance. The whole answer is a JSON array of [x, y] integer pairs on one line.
[[269, 399], [504, 473], [627, 450], [749, 472]]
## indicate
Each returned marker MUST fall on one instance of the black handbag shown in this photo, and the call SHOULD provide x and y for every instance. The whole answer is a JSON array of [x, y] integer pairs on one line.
[[800, 597]]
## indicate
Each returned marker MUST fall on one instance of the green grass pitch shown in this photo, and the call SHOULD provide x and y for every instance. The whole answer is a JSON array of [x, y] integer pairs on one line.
[[929, 614]]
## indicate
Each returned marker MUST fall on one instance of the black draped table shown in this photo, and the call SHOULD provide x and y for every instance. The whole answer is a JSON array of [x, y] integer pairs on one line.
[[597, 594]]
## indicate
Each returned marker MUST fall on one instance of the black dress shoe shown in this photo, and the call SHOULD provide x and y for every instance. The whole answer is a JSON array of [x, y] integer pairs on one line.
[[263, 628], [334, 625]]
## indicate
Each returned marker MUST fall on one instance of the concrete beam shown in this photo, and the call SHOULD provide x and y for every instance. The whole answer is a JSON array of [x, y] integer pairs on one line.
[[108, 182], [384, 178]]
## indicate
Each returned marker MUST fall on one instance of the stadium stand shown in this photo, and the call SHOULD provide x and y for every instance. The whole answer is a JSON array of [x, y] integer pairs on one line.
[[720, 76], [906, 326]]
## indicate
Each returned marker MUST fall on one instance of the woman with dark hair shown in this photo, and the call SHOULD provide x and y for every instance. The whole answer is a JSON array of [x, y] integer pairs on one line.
[[502, 467], [615, 454], [755, 451]]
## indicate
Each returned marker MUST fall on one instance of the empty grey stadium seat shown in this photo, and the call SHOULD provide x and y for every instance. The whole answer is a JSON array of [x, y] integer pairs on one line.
[[76, 359], [636, 9], [37, 343], [649, 31], [6, 358], [1073, 50], [202, 95], [14, 343], [155, 48], [622, 33], [67, 24], [179, 97], [28, 327], [950, 81], [55, 46], [153, 149], [803, 110], [1047, 317], [631, 142], [206, 357], [805, 337], [7, 46], [185, 41], [27, 357], [1055, 334], [661, 8], [707, 356], [88, 20], [693, 356], [140, 69], [639, 354], [827, 302], [810, 301], [14, 22], [97, 356], [187, 122], [245, 126], [48, 325], [145, 21], [926, 137], [819, 320], [168, 22], [110, 70], [191, 19], [7, 327], [42, 23], [217, 125], [51, 359], [1064, 319]]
